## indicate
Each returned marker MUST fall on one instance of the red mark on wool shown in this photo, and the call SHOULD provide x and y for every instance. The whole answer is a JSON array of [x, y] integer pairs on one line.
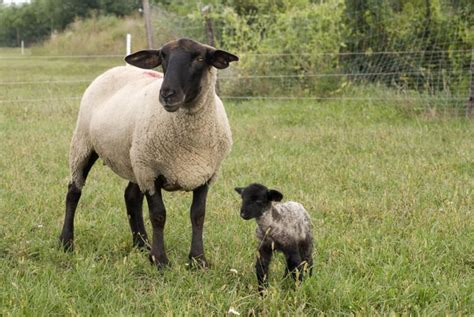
[[153, 74]]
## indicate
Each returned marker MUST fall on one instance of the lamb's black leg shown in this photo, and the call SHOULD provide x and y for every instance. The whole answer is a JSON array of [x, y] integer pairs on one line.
[[261, 266], [306, 252], [293, 261], [134, 203], [158, 219], [198, 212], [72, 199], [309, 261]]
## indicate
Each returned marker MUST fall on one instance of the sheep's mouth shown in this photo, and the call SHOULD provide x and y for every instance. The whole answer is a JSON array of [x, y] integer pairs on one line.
[[172, 104], [171, 108]]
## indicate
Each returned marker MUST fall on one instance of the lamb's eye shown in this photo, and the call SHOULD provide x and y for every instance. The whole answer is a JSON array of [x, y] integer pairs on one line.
[[259, 202], [200, 59]]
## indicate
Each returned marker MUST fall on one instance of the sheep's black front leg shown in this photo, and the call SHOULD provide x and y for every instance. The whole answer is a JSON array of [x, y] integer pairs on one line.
[[134, 203], [198, 212], [293, 261], [264, 257], [158, 219]]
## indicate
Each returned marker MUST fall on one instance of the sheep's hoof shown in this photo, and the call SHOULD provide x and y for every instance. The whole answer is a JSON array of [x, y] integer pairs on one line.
[[160, 262], [198, 262], [67, 243], [142, 245]]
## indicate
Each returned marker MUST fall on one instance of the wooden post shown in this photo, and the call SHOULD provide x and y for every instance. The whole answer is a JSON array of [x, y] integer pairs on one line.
[[205, 11], [208, 25], [148, 26]]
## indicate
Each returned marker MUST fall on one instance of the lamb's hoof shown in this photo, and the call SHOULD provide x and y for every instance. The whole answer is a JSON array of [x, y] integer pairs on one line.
[[160, 262], [67, 243], [198, 263], [262, 290]]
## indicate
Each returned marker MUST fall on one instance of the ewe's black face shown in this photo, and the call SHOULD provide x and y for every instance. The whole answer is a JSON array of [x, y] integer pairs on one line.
[[256, 199], [185, 64]]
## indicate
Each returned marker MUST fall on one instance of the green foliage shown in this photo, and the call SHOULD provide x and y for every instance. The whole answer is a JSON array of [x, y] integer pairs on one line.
[[288, 43], [265, 7], [36, 21], [427, 28], [410, 45], [28, 23]]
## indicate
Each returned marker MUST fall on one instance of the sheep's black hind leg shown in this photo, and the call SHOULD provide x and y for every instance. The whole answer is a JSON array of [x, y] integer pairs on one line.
[[134, 203], [198, 212], [72, 199]]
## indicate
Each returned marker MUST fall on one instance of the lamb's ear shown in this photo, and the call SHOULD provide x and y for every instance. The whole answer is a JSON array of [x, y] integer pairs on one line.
[[240, 190], [220, 59], [274, 195], [147, 59]]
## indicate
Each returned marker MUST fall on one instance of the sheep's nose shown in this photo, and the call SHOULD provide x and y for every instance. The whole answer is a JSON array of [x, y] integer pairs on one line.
[[167, 92]]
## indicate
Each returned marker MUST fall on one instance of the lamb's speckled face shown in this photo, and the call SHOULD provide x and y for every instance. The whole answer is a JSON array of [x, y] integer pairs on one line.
[[185, 64], [256, 199]]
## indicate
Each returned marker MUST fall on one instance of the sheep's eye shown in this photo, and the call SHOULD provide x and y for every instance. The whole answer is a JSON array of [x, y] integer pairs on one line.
[[200, 59], [259, 202]]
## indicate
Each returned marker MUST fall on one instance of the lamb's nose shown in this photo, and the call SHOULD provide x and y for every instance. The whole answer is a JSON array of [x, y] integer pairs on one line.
[[167, 92]]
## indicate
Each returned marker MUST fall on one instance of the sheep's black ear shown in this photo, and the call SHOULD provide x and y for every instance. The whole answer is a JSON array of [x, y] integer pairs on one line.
[[274, 195], [220, 59], [240, 190], [147, 59]]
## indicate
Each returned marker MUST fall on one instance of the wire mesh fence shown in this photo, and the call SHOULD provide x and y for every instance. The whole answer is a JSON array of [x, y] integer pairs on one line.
[[434, 71], [429, 89]]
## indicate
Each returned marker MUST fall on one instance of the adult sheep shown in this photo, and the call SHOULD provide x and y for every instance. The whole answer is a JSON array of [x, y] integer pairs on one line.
[[159, 131]]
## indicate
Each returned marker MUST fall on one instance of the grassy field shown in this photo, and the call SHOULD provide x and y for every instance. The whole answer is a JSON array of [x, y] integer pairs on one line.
[[390, 195]]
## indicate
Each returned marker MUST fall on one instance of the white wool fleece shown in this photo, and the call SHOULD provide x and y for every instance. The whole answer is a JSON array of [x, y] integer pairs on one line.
[[122, 120]]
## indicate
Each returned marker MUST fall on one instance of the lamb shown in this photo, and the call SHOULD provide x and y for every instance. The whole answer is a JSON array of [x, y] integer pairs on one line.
[[178, 145], [284, 227]]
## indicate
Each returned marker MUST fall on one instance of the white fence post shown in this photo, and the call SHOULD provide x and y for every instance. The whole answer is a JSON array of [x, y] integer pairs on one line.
[[22, 47], [129, 44]]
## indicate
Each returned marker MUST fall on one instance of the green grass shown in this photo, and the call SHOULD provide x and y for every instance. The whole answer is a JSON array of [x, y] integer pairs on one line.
[[390, 195]]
